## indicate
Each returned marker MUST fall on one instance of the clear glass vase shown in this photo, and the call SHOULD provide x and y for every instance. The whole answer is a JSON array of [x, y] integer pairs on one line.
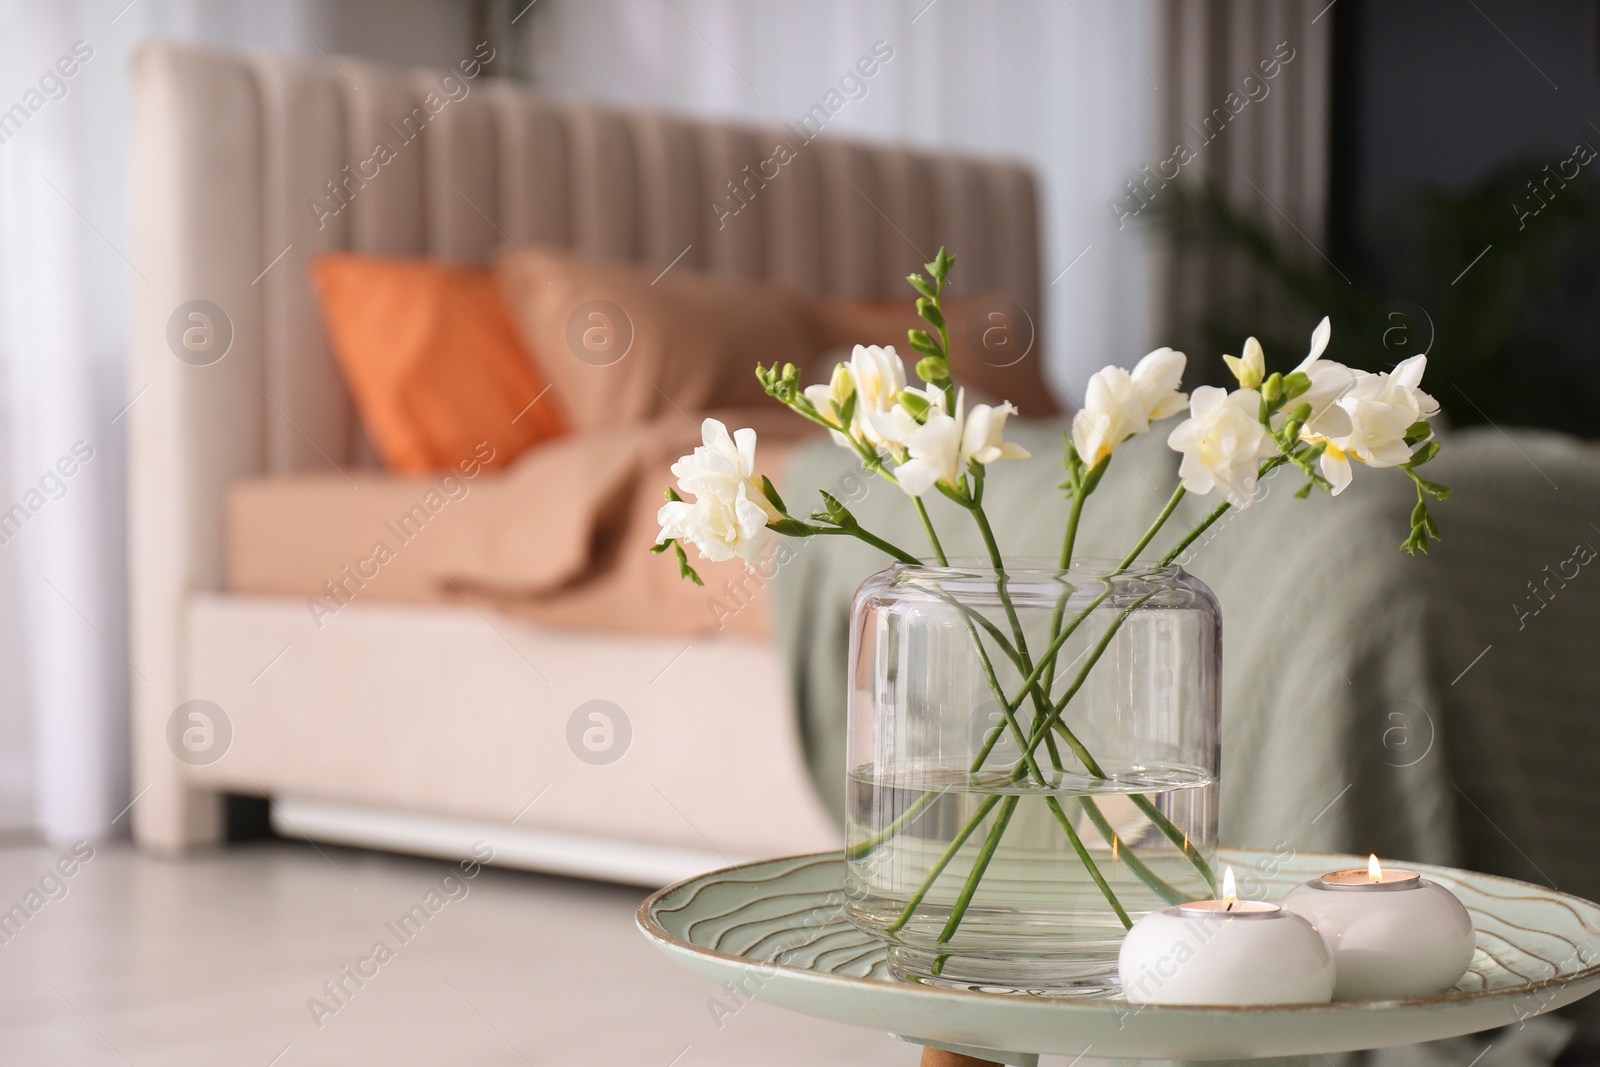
[[1033, 765]]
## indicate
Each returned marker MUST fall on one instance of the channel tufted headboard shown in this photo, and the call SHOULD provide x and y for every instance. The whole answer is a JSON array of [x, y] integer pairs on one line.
[[245, 168]]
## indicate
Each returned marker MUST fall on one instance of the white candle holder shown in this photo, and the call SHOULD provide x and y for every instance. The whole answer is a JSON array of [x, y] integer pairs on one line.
[[1225, 952], [1390, 933]]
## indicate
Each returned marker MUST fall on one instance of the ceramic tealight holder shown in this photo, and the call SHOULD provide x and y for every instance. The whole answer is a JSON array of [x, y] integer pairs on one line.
[[1391, 933], [1226, 951]]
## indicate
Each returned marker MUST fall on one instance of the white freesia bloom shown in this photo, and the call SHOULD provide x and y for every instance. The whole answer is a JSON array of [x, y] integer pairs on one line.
[[935, 450], [981, 437], [1329, 382], [1119, 404], [728, 514], [1380, 409], [1222, 443], [879, 377]]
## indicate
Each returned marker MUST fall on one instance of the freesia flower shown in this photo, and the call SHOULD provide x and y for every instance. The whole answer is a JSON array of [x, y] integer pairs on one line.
[[1381, 408], [942, 447], [1329, 382], [1222, 443], [879, 376], [935, 451], [1119, 404], [729, 513], [981, 437]]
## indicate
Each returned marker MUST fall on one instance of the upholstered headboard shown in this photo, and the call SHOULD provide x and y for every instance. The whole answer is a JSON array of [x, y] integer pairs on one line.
[[244, 168]]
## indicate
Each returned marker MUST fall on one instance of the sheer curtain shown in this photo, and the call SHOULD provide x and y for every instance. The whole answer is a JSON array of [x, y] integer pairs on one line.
[[65, 286], [1070, 87], [65, 283]]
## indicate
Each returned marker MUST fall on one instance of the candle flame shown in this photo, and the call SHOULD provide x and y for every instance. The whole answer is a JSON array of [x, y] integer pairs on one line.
[[1374, 872], [1230, 888], [1113, 848]]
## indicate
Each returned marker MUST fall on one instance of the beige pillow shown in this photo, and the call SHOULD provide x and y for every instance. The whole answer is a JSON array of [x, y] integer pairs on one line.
[[620, 345]]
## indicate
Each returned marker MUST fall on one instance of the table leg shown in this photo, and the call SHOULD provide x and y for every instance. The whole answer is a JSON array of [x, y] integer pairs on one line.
[[938, 1057]]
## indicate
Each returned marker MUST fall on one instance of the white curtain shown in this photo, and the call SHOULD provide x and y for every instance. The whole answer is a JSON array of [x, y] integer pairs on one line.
[[65, 284], [1069, 87]]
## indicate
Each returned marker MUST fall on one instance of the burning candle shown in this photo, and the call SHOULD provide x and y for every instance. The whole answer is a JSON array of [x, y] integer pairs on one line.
[[1391, 933], [1225, 951]]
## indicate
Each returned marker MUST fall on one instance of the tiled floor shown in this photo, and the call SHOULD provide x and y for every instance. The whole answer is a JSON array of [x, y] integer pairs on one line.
[[217, 960], [223, 959]]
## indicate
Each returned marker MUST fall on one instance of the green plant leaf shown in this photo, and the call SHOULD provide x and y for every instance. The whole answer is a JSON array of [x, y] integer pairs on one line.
[[771, 492], [684, 569], [837, 513], [1434, 489], [1423, 454], [847, 413]]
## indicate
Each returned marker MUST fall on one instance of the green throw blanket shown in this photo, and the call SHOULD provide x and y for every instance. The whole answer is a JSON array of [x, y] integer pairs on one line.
[[1441, 709]]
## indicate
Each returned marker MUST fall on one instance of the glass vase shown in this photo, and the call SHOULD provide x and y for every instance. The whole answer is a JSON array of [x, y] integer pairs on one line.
[[1033, 766]]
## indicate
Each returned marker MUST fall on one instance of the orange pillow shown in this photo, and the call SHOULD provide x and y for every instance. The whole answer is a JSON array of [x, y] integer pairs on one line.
[[433, 361]]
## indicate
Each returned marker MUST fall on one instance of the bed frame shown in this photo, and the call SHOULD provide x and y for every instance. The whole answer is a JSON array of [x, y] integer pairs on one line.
[[425, 729]]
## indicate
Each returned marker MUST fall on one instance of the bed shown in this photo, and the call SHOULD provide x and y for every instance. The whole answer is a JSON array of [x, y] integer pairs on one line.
[[428, 727]]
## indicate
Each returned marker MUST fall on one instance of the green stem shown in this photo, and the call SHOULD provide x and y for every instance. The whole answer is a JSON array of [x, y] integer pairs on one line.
[[864, 535], [1162, 888], [1041, 706], [993, 547], [1068, 541], [942, 862], [1144, 803], [1177, 837], [861, 849], [1070, 538], [1088, 862], [1006, 711], [1149, 535], [1189, 538], [927, 524], [979, 865], [1216, 513], [1024, 663], [1032, 680], [1083, 676]]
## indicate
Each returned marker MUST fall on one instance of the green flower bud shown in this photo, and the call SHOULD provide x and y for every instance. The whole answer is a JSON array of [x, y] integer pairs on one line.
[[914, 403], [933, 369], [1272, 389]]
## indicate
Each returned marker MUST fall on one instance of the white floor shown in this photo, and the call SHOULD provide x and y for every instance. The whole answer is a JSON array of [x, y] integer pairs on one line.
[[215, 960]]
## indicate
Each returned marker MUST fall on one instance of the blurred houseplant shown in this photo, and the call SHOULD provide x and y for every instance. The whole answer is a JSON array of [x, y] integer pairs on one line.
[[1517, 335]]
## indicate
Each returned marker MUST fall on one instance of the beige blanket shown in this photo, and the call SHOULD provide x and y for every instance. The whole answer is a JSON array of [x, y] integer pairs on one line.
[[559, 538]]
